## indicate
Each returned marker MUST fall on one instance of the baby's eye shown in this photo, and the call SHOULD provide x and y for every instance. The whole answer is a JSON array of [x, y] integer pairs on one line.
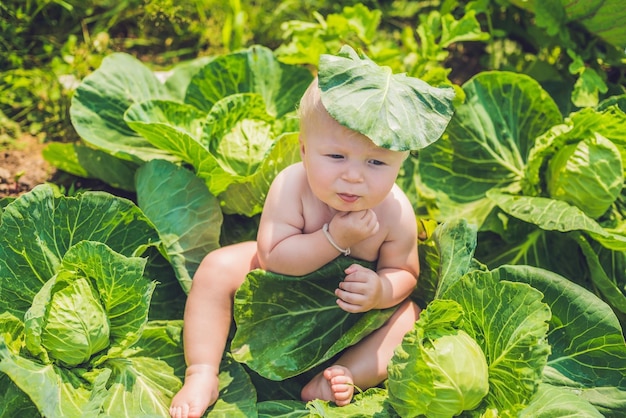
[[376, 162], [335, 156]]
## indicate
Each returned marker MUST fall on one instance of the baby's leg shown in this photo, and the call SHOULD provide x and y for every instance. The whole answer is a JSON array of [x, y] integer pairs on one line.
[[364, 364], [207, 320]]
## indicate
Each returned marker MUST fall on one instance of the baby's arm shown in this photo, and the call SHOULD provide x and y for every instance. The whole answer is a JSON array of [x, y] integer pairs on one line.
[[283, 247], [397, 269]]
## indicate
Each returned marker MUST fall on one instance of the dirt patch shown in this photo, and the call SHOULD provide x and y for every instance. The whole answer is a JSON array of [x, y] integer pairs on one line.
[[22, 167]]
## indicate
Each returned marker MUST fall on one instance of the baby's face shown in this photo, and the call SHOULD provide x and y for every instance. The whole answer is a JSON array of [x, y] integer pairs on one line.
[[346, 170]]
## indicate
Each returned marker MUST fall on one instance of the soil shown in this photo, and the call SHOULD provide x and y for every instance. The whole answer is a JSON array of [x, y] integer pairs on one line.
[[22, 167]]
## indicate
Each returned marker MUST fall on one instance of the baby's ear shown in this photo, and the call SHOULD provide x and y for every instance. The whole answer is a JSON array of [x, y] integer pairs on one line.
[[301, 146]]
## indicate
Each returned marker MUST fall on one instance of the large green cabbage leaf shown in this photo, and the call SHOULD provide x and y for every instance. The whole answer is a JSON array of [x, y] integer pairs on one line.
[[187, 216], [287, 325], [588, 355], [393, 110], [252, 70], [99, 103], [85, 161], [552, 401], [487, 142]]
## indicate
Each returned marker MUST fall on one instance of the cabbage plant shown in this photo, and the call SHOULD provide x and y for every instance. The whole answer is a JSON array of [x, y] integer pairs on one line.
[[233, 120], [451, 367], [532, 343], [506, 311], [543, 189], [592, 166], [91, 312]]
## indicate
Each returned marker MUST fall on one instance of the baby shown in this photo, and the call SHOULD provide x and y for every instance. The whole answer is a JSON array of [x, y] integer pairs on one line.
[[340, 199]]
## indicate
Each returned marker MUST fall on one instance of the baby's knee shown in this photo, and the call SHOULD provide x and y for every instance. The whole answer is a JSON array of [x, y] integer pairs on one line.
[[226, 266], [405, 316]]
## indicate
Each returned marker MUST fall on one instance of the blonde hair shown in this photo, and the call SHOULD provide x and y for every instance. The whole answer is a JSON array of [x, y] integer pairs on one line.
[[312, 109]]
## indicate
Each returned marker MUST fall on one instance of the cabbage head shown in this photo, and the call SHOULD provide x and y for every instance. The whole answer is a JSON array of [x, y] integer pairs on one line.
[[438, 370], [588, 174], [76, 325]]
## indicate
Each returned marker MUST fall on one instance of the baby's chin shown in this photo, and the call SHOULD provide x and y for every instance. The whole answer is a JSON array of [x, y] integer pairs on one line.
[[353, 207]]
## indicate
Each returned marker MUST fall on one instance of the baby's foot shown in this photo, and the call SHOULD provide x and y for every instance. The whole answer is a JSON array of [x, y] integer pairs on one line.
[[334, 384], [199, 391]]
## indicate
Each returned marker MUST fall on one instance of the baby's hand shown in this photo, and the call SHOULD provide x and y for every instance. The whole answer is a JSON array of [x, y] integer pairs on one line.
[[360, 291], [349, 228]]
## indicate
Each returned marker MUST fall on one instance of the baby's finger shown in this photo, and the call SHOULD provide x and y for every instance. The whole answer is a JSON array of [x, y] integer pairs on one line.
[[357, 287], [354, 270], [349, 307]]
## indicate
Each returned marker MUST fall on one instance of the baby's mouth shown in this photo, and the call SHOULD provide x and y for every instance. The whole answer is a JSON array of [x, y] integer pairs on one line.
[[349, 198]]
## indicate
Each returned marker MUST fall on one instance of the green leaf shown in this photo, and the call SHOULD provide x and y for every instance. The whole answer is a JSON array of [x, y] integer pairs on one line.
[[139, 386], [548, 214], [588, 349], [551, 401], [456, 241], [606, 268], [184, 212], [489, 138], [175, 121], [287, 325], [99, 103], [556, 215], [510, 322], [39, 227], [14, 402], [393, 110], [280, 408], [603, 18], [467, 28], [253, 70], [56, 391], [87, 162], [371, 403], [587, 88]]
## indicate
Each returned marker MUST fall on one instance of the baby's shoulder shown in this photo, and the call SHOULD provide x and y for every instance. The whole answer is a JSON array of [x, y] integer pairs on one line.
[[397, 200], [293, 174], [396, 208], [293, 171], [290, 181]]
